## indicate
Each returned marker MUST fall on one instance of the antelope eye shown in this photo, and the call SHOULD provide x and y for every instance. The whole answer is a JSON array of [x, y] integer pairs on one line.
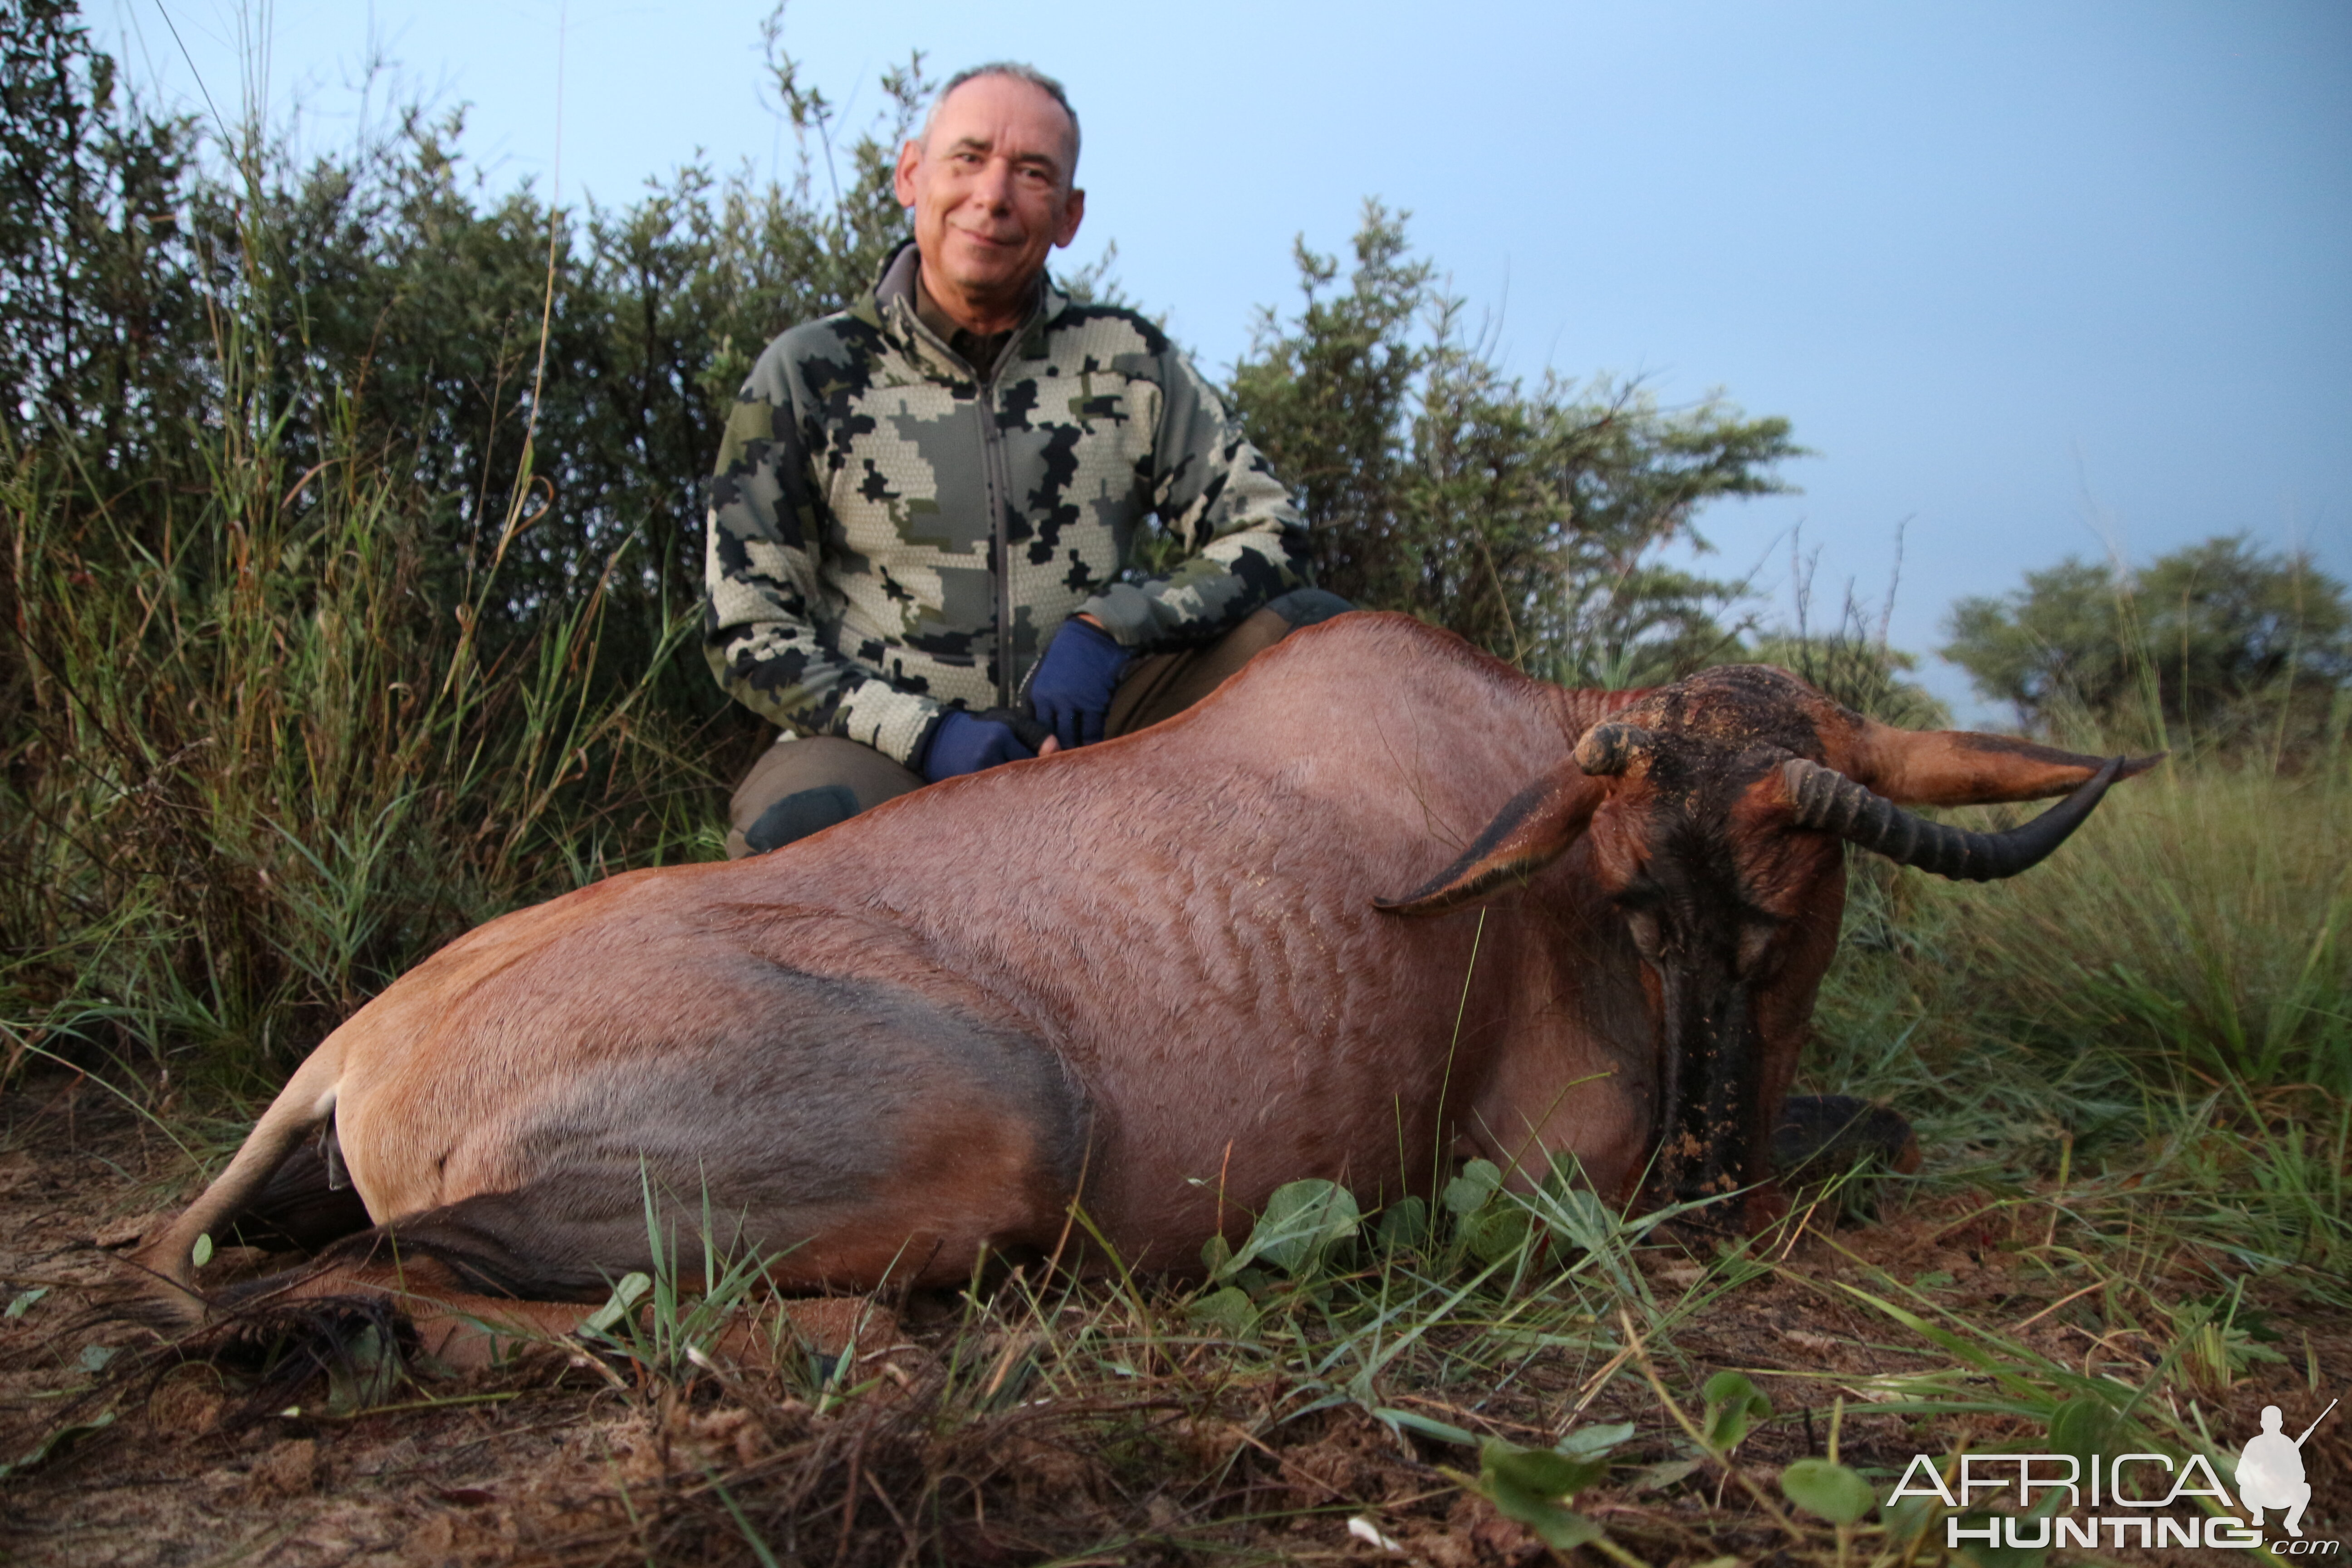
[[1638, 897]]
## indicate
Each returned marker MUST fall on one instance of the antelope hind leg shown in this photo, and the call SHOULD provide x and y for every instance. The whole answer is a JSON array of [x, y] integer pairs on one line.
[[855, 1134]]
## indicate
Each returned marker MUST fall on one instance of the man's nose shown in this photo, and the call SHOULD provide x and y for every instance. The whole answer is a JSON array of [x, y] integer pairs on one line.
[[994, 186]]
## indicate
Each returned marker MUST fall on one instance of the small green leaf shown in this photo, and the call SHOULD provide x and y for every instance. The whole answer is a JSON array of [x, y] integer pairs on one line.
[[1498, 1233], [201, 1253], [1215, 1253], [1229, 1309], [1733, 1408], [1540, 1472], [626, 1295], [1405, 1223], [1828, 1491], [1933, 1280], [1302, 1222], [1530, 1484], [1666, 1473], [25, 1300], [1597, 1439], [1732, 1388], [1467, 1193], [95, 1357], [1580, 1216]]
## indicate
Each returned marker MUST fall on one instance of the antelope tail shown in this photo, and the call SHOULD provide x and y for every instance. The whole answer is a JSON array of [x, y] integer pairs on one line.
[[308, 1099]]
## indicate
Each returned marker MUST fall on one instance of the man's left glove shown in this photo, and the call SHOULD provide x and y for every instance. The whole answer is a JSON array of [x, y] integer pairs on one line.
[[966, 743], [1072, 688]]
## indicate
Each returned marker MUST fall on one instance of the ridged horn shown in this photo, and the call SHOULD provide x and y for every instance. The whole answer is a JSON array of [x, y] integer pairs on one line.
[[1830, 801], [1607, 749]]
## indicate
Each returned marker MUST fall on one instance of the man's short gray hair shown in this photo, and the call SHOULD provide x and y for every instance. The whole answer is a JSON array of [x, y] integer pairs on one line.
[[1018, 72]]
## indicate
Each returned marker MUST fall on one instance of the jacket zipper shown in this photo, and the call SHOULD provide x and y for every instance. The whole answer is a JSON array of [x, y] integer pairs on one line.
[[992, 448]]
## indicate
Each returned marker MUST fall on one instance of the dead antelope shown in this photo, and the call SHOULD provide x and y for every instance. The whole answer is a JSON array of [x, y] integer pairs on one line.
[[1380, 902]]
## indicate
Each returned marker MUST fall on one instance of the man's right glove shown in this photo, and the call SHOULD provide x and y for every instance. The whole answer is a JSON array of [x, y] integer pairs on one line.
[[1072, 688], [965, 743]]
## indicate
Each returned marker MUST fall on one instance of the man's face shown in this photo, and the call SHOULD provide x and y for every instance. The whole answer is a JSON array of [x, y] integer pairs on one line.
[[990, 190]]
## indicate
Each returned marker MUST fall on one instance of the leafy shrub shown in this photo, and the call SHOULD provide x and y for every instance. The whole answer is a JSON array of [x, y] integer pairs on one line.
[[2217, 642]]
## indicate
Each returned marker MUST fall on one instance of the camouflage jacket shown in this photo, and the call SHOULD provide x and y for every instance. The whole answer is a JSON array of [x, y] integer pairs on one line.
[[871, 482]]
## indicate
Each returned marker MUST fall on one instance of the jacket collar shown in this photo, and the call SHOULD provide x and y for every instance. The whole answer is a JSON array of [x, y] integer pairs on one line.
[[891, 306]]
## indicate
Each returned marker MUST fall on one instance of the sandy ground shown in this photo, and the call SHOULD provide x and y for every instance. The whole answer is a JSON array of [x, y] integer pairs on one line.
[[560, 1460]]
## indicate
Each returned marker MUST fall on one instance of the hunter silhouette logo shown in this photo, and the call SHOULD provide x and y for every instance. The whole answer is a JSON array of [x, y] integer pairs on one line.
[[2152, 1501], [2270, 1471]]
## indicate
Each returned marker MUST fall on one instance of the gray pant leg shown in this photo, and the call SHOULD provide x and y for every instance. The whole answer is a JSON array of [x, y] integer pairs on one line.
[[801, 787]]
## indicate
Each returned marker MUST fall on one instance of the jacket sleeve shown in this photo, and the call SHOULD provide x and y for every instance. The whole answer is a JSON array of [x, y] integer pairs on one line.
[[1217, 493], [767, 631]]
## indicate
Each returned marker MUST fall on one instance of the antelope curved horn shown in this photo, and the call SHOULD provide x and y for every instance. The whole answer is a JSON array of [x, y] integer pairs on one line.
[[1827, 800], [1608, 749]]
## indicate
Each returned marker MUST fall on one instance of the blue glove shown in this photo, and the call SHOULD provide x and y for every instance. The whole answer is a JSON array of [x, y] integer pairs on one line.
[[1071, 690], [967, 743]]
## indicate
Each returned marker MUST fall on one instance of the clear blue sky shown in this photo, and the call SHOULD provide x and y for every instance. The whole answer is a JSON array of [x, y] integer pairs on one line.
[[2031, 279]]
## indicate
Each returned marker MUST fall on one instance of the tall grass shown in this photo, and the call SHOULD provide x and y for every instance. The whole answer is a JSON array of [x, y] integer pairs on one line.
[[268, 753], [2203, 932], [2170, 996]]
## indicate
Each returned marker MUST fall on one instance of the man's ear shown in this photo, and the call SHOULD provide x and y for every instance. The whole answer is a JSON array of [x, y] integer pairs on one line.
[[1074, 207], [902, 182]]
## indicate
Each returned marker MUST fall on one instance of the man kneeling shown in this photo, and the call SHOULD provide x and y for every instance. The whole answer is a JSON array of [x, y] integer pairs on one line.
[[924, 503]]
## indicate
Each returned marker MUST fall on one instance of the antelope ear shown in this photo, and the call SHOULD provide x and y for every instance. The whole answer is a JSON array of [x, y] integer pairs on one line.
[[1533, 828], [1960, 767]]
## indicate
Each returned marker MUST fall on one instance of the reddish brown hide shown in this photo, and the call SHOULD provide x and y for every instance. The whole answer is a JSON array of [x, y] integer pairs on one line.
[[1155, 976]]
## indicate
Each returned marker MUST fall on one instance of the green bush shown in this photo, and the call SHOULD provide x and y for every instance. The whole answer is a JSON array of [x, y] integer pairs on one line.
[[1534, 521], [2217, 643]]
